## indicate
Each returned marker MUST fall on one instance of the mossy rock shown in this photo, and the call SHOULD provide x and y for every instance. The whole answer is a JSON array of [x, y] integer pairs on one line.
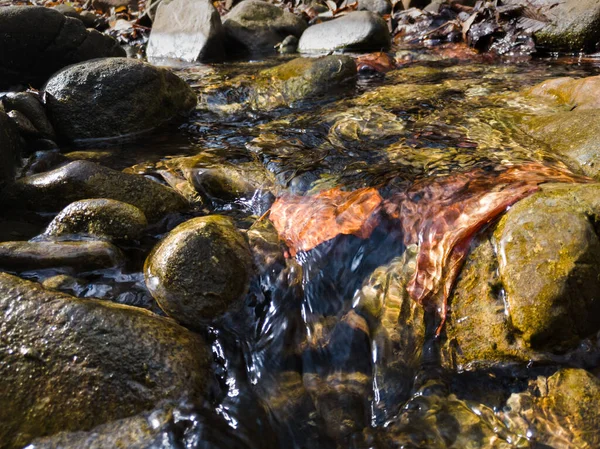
[[52, 191], [70, 364], [101, 218], [114, 98], [301, 79], [573, 93], [200, 270], [531, 287], [82, 256]]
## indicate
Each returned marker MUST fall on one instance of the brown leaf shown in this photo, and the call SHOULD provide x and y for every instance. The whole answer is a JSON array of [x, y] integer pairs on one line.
[[304, 222]]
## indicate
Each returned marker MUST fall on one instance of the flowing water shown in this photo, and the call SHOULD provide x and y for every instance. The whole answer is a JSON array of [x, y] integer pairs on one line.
[[317, 357]]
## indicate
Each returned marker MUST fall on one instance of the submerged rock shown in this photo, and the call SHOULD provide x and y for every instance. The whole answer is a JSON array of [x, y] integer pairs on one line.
[[82, 256], [301, 79], [200, 270], [258, 26], [573, 93], [101, 218], [189, 30], [356, 31], [38, 41], [536, 289], [72, 364], [111, 98], [52, 191], [10, 148]]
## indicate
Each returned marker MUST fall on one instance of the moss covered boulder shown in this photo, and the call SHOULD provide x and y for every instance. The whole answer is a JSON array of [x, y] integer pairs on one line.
[[533, 286], [200, 270], [71, 364], [301, 79], [115, 97], [52, 191], [100, 218]]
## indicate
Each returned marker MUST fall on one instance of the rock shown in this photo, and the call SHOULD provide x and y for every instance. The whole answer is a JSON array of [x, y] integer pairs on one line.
[[568, 26], [561, 408], [78, 180], [38, 41], [189, 30], [101, 218], [82, 256], [377, 6], [573, 93], [97, 360], [111, 98], [258, 26], [29, 105], [288, 46], [65, 283], [301, 79], [356, 31], [24, 125], [536, 289], [200, 270], [10, 148], [572, 135]]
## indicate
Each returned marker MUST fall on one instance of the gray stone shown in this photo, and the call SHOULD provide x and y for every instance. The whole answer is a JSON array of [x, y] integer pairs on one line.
[[567, 25], [189, 30], [101, 218], [356, 31], [257, 26], [54, 190], [29, 105], [71, 365], [200, 270], [38, 41], [377, 6], [82, 256], [114, 98]]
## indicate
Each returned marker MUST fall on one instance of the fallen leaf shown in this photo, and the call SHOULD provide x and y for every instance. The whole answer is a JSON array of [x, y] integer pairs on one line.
[[303, 222]]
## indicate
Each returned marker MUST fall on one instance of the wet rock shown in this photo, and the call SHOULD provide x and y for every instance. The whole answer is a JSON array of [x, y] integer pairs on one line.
[[25, 127], [189, 30], [301, 79], [137, 432], [111, 98], [257, 26], [200, 270], [38, 41], [65, 283], [562, 410], [288, 46], [97, 360], [266, 248], [82, 256], [101, 218], [78, 180], [377, 6], [532, 288], [10, 148], [29, 105], [573, 93], [569, 26], [356, 31]]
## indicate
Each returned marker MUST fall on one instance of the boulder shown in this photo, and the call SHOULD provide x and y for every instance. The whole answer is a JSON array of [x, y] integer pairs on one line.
[[97, 360], [101, 218], [301, 79], [189, 30], [533, 286], [377, 6], [28, 104], [356, 31], [112, 98], [82, 256], [573, 93], [10, 148], [54, 190], [568, 25], [257, 26], [200, 270], [38, 41]]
